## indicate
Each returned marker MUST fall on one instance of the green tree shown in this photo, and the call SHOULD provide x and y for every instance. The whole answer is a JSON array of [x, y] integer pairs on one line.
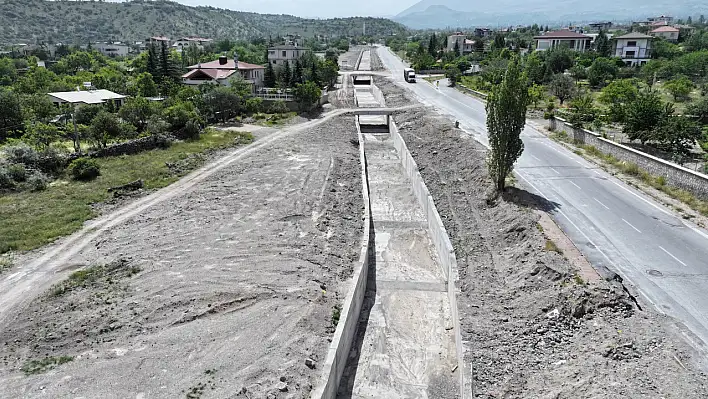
[[152, 62], [452, 73], [84, 114], [314, 74], [297, 72], [106, 128], [178, 115], [617, 95], [144, 86], [8, 72], [535, 68], [240, 86], [41, 135], [433, 46], [11, 121], [38, 107], [601, 71], [563, 87], [699, 109], [603, 45], [680, 88], [286, 75], [677, 135], [578, 72], [223, 102], [499, 42], [329, 72], [537, 93], [269, 78], [559, 59], [506, 116], [582, 110], [643, 115], [456, 48], [137, 111], [307, 94]]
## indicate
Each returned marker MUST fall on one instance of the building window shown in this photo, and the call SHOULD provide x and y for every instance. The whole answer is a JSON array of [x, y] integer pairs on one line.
[[632, 44], [284, 53]]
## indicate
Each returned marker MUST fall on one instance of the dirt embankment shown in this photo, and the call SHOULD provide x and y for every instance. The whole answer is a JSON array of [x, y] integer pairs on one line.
[[533, 328], [224, 291]]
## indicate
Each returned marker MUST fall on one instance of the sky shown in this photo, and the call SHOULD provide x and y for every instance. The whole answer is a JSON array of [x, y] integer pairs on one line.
[[311, 8]]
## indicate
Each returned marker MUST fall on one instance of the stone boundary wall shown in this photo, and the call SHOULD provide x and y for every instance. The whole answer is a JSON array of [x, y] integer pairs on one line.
[[676, 175], [344, 335], [446, 252], [134, 146], [475, 93]]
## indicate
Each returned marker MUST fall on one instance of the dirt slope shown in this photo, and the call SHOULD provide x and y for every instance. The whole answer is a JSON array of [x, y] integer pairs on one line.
[[533, 328], [222, 291]]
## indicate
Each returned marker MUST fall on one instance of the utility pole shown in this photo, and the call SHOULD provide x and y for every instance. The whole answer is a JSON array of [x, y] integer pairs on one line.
[[364, 29]]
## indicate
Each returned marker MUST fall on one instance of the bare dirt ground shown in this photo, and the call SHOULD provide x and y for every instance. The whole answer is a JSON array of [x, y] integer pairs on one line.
[[534, 328], [225, 290]]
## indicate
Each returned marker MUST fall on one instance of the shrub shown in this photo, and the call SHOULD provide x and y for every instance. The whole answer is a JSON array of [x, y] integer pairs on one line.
[[52, 160], [279, 107], [38, 181], [17, 172], [21, 153], [254, 105], [84, 169], [6, 181], [191, 130]]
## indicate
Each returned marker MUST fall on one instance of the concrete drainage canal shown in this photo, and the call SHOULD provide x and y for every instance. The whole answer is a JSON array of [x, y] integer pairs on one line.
[[399, 335]]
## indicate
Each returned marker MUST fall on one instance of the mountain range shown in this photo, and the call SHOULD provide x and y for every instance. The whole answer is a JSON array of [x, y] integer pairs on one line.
[[432, 14], [78, 22]]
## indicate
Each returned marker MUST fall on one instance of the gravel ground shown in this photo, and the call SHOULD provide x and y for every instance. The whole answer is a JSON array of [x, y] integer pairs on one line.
[[376, 64], [395, 95], [533, 328], [223, 291], [347, 60]]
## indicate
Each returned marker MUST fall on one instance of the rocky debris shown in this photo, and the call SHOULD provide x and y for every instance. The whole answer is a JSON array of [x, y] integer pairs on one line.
[[132, 186], [532, 328], [310, 363], [395, 95]]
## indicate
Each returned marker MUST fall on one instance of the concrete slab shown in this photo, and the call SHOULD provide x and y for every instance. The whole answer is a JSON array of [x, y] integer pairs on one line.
[[394, 202], [406, 254]]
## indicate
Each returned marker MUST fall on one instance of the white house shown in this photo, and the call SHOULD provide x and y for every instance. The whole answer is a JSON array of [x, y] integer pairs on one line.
[[112, 49], [573, 40], [200, 42], [86, 97], [465, 45], [277, 55], [634, 48], [223, 69], [667, 32]]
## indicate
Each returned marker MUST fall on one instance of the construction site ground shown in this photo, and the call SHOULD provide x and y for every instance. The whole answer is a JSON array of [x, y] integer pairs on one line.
[[534, 323], [228, 288]]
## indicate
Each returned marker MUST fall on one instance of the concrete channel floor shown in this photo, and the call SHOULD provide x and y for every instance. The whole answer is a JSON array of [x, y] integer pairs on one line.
[[405, 346]]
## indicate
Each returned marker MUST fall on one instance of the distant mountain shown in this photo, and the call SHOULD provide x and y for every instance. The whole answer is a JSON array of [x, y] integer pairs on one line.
[[30, 21], [464, 13]]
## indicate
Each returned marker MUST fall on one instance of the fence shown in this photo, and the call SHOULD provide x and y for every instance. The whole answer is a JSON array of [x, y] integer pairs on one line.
[[275, 96], [675, 175]]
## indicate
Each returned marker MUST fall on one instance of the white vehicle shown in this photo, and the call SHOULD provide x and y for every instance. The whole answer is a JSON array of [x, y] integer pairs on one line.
[[409, 75]]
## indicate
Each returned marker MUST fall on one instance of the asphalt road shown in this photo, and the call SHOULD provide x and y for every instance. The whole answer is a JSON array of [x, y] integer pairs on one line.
[[616, 227]]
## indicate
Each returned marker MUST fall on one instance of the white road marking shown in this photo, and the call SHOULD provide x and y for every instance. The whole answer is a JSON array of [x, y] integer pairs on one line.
[[554, 169], [579, 163], [575, 185], [598, 201], [535, 157], [641, 198], [671, 255], [630, 225]]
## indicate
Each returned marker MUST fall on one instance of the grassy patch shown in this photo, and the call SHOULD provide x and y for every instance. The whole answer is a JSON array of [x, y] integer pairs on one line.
[[272, 120], [32, 219], [336, 314], [539, 227], [85, 277], [5, 262], [552, 247], [40, 366], [578, 280]]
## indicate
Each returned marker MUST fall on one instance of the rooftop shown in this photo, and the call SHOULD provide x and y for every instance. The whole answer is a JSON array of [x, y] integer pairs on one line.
[[230, 64], [665, 29], [212, 73], [634, 35], [563, 34], [286, 47], [86, 97]]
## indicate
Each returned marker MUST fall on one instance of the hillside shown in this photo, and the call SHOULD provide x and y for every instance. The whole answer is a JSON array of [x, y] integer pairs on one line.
[[464, 13], [27, 21]]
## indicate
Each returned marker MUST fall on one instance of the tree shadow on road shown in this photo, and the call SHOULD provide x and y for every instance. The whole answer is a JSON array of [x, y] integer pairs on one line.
[[526, 199]]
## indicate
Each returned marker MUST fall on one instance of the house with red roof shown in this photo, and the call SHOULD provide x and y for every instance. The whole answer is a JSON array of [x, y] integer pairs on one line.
[[667, 32], [573, 40], [222, 70]]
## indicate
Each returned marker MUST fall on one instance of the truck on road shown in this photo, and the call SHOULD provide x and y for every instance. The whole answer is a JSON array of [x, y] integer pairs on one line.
[[409, 75]]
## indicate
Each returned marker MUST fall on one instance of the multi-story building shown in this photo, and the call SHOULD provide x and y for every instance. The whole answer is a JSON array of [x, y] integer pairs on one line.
[[667, 32], [634, 48], [575, 41], [112, 49], [278, 55], [464, 44], [183, 42]]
